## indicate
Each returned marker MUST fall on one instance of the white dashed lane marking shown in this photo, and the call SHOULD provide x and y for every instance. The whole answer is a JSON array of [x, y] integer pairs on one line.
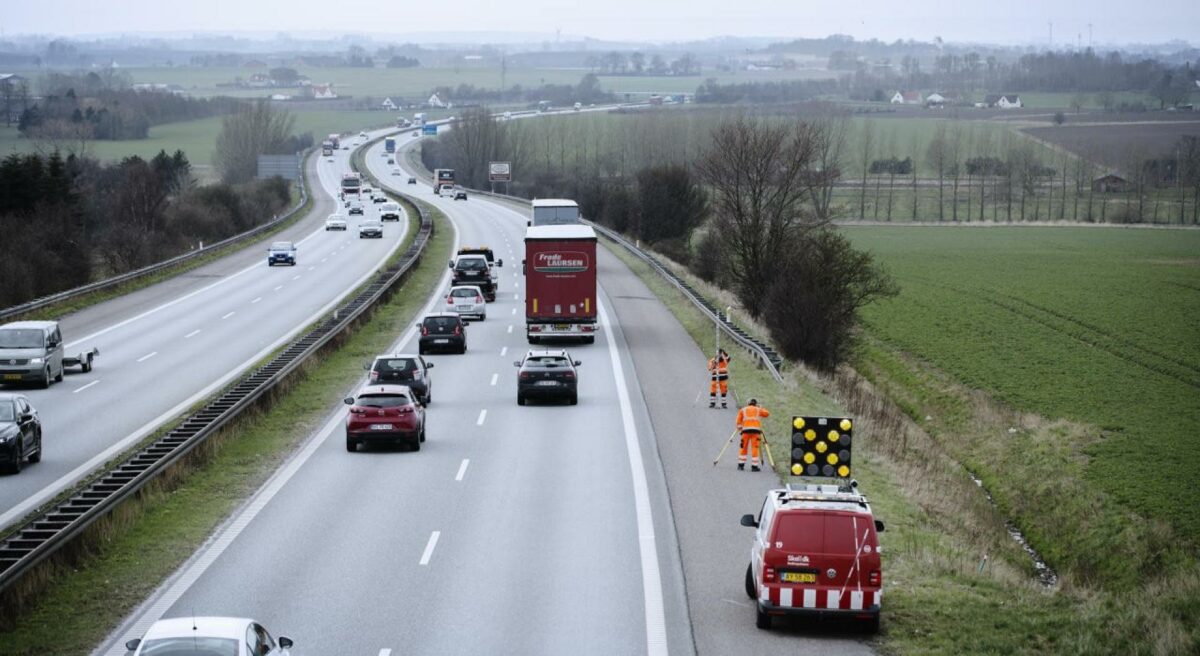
[[482, 417], [256, 300], [98, 380], [147, 356], [433, 540], [495, 377], [192, 334], [462, 469], [228, 315]]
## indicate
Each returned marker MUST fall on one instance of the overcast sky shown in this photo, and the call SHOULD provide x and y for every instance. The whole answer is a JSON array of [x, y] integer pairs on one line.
[[995, 21]]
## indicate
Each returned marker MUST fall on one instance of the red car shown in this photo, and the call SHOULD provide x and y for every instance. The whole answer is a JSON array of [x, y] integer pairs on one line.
[[385, 413], [815, 553]]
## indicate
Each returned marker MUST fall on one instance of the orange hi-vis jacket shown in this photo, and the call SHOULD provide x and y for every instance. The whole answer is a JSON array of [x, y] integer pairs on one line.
[[750, 418], [719, 367]]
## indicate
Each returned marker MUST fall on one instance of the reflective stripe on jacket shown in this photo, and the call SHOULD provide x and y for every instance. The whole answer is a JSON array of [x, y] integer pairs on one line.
[[750, 418]]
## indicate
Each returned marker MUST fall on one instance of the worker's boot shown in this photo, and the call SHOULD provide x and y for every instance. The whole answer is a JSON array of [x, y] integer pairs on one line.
[[712, 403], [741, 466], [754, 468]]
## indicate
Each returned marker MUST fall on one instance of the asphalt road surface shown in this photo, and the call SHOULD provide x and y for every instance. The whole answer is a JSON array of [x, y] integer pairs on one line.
[[514, 530], [165, 347]]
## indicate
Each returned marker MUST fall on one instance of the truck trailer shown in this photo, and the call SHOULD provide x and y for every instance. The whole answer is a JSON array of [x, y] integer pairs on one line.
[[389, 144], [335, 139], [442, 177], [560, 283]]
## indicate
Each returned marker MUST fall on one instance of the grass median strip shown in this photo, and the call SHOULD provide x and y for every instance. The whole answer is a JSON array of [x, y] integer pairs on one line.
[[155, 536], [942, 596]]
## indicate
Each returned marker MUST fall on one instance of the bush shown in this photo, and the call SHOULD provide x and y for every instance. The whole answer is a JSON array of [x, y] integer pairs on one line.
[[812, 306]]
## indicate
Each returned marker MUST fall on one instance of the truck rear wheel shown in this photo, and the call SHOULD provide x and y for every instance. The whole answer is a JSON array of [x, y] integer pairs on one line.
[[87, 364]]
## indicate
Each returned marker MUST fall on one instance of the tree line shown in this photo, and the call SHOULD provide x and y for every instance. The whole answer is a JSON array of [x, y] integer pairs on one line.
[[69, 220], [744, 202], [588, 91]]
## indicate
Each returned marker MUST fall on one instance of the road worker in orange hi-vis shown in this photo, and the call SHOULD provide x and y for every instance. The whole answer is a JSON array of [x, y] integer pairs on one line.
[[718, 369], [749, 422]]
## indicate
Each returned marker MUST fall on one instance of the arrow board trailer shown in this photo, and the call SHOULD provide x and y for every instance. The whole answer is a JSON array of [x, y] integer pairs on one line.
[[560, 283]]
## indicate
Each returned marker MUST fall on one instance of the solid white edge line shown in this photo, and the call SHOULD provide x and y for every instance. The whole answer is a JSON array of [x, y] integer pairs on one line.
[[656, 622], [482, 417], [462, 469], [38, 498], [149, 612], [78, 390], [147, 356], [433, 540]]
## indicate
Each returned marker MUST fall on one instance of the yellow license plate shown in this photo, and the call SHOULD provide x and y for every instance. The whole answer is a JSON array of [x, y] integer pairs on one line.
[[799, 577], [12, 376]]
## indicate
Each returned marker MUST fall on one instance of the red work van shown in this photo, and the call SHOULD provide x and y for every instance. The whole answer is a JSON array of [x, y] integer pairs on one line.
[[815, 553]]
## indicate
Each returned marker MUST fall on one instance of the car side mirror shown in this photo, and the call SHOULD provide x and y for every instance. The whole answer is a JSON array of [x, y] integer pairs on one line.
[[349, 400], [429, 365], [499, 263], [450, 265], [577, 363], [879, 526], [749, 521], [285, 642], [132, 645], [517, 364]]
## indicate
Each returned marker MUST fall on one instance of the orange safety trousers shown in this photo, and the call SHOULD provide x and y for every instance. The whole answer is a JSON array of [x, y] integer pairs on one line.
[[753, 439]]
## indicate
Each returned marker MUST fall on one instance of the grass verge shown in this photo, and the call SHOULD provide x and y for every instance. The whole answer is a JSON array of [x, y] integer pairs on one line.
[[149, 539], [955, 581]]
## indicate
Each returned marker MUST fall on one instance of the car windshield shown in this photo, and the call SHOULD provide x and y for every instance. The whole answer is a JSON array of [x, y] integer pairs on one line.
[[7, 413], [463, 292], [471, 264], [546, 361], [382, 400], [20, 338], [281, 246], [190, 646]]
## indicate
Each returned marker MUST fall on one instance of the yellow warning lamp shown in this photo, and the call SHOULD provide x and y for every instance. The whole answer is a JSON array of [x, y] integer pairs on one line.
[[821, 446]]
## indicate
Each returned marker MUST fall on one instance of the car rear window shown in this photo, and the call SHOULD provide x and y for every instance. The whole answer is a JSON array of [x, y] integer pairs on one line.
[[471, 264], [441, 323], [463, 293], [190, 646], [821, 532], [547, 361], [382, 400]]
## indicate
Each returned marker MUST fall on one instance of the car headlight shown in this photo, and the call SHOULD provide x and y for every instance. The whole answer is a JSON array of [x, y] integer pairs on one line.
[[6, 436], [35, 360]]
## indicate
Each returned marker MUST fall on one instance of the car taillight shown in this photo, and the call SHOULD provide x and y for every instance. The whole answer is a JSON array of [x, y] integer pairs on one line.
[[769, 574], [458, 330], [424, 330], [418, 374], [569, 375], [875, 578], [588, 329], [405, 410], [535, 329], [478, 299], [525, 375], [374, 375], [449, 300]]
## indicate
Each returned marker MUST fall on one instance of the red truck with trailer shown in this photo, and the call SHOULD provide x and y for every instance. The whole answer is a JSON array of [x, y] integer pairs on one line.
[[560, 283]]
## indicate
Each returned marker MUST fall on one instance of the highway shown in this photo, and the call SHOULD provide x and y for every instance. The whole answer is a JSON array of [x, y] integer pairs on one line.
[[166, 347], [514, 530]]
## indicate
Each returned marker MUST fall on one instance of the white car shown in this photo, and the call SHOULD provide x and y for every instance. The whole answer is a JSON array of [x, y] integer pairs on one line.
[[395, 171], [446, 190], [209, 636], [362, 135], [467, 301], [335, 222], [389, 212], [370, 228]]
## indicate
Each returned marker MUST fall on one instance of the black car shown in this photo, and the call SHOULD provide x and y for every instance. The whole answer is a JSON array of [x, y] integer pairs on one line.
[[412, 180], [443, 331], [281, 252], [404, 369], [379, 199], [20, 433], [547, 375]]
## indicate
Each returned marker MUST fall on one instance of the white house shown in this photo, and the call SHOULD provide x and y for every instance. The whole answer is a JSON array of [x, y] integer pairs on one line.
[[935, 98], [907, 98], [388, 105], [1005, 101], [436, 101], [322, 92]]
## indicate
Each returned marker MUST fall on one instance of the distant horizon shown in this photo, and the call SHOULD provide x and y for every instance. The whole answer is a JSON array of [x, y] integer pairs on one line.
[[1038, 23], [513, 37]]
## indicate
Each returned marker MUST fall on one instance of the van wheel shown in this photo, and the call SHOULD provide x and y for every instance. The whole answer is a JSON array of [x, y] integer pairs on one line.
[[761, 619], [59, 377], [45, 383], [750, 583]]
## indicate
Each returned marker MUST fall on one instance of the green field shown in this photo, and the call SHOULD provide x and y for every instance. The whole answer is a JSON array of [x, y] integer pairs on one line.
[[198, 138], [1096, 326]]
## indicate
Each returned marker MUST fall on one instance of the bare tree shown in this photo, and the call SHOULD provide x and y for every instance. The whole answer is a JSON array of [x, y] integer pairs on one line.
[[256, 129], [954, 157], [829, 143], [865, 146], [938, 159], [756, 172]]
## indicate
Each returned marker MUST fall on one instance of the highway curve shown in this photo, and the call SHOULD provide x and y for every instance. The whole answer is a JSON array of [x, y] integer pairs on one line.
[[167, 346]]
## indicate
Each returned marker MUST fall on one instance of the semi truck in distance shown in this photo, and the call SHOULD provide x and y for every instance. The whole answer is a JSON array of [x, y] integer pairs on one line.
[[560, 283], [441, 178], [554, 211], [327, 148], [351, 184], [389, 144], [335, 139]]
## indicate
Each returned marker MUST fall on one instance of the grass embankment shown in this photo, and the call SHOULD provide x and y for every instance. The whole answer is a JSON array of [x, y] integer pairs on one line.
[[943, 597], [150, 541]]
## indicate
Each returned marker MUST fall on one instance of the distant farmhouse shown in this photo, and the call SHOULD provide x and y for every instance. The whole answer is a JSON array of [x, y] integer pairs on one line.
[[907, 98], [321, 92], [1003, 101]]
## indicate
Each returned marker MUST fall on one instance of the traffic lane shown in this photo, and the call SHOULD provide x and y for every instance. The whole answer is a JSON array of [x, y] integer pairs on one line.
[[150, 365], [706, 501]]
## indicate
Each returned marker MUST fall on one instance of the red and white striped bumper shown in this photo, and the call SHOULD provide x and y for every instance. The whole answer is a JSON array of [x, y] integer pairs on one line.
[[802, 599]]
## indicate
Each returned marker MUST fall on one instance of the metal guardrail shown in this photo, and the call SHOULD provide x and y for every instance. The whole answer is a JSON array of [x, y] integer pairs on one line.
[[767, 355], [53, 528], [38, 303]]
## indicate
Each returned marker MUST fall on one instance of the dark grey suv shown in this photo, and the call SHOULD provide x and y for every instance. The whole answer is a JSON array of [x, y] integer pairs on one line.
[[443, 331], [20, 433], [547, 375], [404, 369]]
